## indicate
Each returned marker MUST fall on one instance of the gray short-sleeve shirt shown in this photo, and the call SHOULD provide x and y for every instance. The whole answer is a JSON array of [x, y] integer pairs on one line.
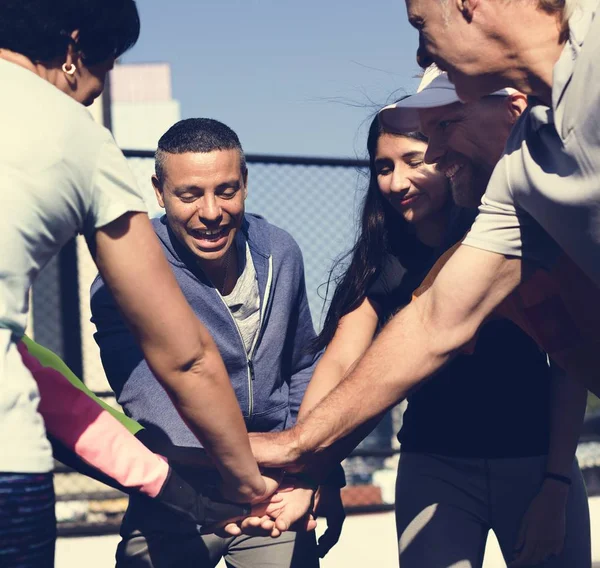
[[545, 192]]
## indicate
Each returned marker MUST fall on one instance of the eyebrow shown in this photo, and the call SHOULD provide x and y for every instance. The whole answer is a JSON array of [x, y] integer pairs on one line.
[[405, 156], [413, 154], [235, 183], [184, 188]]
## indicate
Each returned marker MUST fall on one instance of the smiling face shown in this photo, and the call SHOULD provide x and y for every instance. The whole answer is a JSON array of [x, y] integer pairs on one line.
[[466, 142], [203, 195], [414, 189], [448, 31]]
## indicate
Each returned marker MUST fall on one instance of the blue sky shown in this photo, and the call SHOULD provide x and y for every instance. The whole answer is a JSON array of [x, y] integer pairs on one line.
[[298, 78]]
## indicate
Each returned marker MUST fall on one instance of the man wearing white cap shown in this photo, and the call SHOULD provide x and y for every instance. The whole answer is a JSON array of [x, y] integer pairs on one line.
[[466, 141], [543, 196], [405, 352]]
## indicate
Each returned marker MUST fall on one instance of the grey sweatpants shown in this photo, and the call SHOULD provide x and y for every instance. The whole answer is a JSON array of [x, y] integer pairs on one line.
[[446, 506], [174, 550]]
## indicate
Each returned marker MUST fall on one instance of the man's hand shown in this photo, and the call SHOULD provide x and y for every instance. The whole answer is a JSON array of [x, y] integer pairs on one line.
[[230, 527], [289, 508], [542, 531], [276, 449], [328, 504]]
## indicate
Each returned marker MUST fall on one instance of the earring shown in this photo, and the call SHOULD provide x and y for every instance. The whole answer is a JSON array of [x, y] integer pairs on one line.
[[71, 70]]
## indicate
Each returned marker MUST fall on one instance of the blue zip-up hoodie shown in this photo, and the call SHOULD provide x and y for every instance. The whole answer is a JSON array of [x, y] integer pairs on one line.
[[269, 384]]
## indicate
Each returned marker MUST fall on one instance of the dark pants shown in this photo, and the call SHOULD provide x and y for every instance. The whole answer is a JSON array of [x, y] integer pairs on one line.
[[27, 520]]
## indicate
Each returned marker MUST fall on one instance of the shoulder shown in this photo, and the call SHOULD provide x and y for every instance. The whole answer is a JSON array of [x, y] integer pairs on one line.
[[54, 129], [276, 240]]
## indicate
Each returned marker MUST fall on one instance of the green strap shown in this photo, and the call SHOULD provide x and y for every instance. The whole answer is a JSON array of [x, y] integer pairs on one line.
[[49, 359]]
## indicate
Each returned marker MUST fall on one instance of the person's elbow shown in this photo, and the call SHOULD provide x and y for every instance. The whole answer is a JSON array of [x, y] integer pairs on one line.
[[450, 328], [190, 363]]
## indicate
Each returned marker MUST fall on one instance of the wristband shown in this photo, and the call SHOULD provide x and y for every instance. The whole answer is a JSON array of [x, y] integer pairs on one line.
[[336, 477], [304, 478], [557, 477]]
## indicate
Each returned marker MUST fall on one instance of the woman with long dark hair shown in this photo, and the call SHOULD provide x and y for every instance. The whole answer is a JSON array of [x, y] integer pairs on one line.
[[62, 174], [475, 438]]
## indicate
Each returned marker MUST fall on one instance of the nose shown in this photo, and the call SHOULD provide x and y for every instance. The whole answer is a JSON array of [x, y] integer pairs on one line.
[[210, 210], [434, 151], [400, 181], [424, 60]]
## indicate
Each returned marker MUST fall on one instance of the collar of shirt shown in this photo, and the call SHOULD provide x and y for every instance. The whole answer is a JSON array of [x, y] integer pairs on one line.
[[579, 25]]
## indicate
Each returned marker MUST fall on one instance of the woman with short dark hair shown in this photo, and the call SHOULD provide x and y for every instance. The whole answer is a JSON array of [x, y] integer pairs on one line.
[[62, 174]]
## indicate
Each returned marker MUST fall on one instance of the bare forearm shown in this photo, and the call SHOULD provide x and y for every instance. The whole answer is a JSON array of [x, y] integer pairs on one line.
[[403, 354], [327, 376], [567, 409], [416, 343], [206, 401], [352, 338]]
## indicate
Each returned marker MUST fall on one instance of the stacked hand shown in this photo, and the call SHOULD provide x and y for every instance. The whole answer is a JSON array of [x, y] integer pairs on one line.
[[543, 529], [294, 505], [289, 508]]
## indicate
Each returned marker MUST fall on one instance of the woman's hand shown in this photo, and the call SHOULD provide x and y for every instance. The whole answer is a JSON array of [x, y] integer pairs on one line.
[[271, 478], [290, 507], [543, 527]]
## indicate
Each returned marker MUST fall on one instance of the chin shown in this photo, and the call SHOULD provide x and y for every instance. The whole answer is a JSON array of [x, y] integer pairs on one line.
[[471, 88]]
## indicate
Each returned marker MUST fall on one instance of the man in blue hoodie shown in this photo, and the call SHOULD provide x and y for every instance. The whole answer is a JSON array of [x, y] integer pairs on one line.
[[244, 278]]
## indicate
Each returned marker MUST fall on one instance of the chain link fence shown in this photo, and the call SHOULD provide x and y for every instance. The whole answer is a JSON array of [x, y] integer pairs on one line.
[[316, 200]]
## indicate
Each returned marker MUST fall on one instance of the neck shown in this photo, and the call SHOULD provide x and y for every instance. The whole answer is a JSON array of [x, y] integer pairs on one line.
[[431, 231], [23, 61], [224, 273], [534, 47]]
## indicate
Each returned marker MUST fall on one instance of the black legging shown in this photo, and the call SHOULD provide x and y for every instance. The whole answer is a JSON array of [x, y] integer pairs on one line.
[[27, 520]]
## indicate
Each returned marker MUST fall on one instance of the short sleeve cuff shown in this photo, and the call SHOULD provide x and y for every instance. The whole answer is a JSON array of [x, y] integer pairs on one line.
[[114, 189]]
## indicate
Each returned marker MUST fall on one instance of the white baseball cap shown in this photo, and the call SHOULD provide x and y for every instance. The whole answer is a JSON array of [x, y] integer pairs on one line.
[[435, 90]]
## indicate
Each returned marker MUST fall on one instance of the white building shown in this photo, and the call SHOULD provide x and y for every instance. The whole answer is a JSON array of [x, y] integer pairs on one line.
[[142, 104]]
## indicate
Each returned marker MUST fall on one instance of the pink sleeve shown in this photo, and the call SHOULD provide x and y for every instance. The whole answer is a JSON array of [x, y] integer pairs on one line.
[[93, 434]]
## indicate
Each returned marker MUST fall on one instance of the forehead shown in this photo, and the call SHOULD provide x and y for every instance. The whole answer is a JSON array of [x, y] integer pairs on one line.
[[392, 144], [207, 166]]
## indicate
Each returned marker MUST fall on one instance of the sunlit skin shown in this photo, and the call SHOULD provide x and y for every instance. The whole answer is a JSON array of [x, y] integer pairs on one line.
[[487, 45], [467, 140], [84, 84], [91, 81], [203, 195], [416, 190], [447, 38]]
